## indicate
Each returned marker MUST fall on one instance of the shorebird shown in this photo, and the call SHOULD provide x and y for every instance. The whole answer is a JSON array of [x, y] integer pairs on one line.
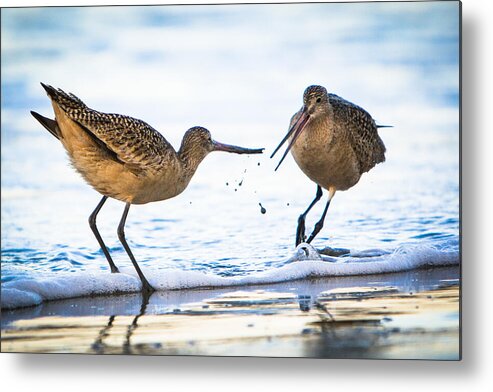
[[334, 142], [126, 159]]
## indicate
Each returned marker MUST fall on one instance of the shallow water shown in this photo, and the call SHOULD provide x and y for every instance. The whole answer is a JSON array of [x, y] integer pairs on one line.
[[413, 315], [163, 302], [239, 71]]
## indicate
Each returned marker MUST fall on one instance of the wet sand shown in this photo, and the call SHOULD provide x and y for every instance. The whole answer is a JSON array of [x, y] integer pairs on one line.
[[412, 315]]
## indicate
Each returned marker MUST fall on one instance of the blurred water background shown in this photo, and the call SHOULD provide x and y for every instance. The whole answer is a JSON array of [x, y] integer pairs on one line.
[[240, 71]]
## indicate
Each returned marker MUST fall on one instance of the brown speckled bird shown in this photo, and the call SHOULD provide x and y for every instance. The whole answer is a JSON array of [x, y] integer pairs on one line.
[[334, 142], [126, 159]]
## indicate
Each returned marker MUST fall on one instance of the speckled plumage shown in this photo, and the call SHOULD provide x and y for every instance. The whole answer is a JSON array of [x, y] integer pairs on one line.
[[339, 143], [123, 157], [334, 142], [361, 130], [120, 156], [134, 142]]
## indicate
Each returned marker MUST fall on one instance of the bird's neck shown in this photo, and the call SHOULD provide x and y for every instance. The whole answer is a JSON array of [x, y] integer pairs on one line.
[[190, 157], [320, 128], [314, 134], [321, 121]]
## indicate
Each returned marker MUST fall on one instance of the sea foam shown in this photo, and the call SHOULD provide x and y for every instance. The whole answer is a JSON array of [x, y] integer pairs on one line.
[[305, 262]]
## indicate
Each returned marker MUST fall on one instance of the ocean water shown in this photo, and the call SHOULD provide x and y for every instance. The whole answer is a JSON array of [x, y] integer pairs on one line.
[[240, 71]]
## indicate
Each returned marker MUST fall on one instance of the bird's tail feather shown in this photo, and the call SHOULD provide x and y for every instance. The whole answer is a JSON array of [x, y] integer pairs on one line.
[[66, 101], [48, 123]]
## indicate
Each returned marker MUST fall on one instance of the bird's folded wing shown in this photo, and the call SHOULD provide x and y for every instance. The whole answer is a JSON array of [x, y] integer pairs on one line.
[[134, 142], [361, 131]]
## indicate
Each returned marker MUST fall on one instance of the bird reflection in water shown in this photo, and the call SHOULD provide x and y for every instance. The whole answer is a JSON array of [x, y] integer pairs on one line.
[[100, 347]]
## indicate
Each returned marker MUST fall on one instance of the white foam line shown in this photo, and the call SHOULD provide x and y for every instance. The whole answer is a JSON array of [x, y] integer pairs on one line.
[[305, 263]]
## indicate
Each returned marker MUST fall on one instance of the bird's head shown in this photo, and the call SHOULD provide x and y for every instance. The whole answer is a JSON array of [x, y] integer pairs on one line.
[[197, 143], [315, 100], [315, 104], [198, 139]]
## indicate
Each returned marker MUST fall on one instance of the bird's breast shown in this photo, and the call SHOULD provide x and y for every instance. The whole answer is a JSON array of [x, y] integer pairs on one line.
[[325, 158]]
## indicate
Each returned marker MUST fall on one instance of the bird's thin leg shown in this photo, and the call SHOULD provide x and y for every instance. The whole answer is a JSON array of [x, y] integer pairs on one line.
[[146, 287], [92, 224], [320, 223], [300, 230]]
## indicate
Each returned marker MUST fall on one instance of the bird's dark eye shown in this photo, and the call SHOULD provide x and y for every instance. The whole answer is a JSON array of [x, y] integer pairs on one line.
[[319, 100]]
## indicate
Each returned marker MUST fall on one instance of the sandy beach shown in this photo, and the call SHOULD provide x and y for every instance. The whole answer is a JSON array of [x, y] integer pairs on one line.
[[411, 315]]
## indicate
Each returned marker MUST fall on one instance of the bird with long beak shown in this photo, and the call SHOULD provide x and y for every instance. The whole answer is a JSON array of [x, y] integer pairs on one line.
[[334, 142], [126, 159]]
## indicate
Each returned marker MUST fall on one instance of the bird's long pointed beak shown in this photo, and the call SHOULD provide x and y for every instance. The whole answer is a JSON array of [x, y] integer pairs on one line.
[[235, 149], [295, 130]]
